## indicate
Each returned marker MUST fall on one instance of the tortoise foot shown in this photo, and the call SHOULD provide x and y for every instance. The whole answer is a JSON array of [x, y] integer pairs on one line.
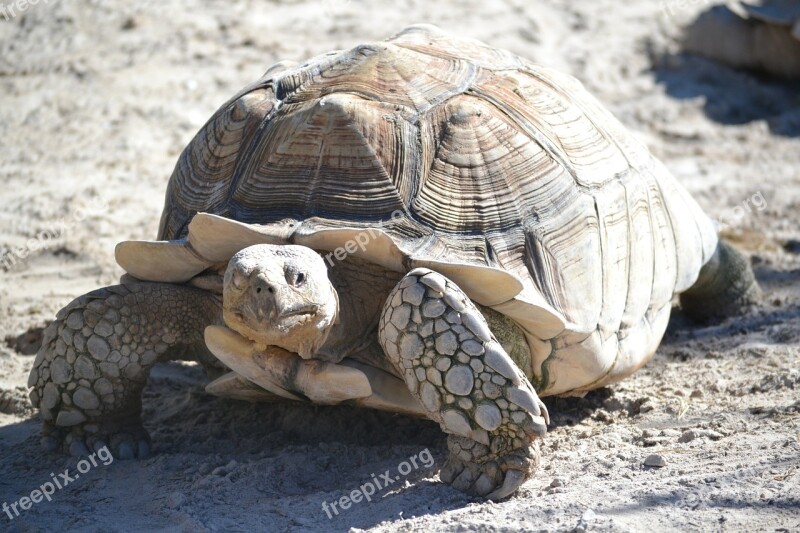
[[124, 438], [473, 469]]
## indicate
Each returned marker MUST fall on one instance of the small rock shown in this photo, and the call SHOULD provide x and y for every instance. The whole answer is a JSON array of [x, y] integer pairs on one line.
[[645, 407], [693, 434], [556, 483], [129, 24], [175, 500], [649, 433], [792, 246], [584, 524], [655, 461], [223, 471]]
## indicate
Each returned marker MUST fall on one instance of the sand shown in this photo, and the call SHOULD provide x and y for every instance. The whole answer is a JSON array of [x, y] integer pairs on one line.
[[99, 98]]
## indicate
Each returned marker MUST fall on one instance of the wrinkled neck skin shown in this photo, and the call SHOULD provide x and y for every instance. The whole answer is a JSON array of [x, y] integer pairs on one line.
[[363, 288]]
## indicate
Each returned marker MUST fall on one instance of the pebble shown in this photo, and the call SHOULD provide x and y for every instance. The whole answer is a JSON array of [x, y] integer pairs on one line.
[[792, 246], [655, 461], [693, 434], [175, 500], [584, 524]]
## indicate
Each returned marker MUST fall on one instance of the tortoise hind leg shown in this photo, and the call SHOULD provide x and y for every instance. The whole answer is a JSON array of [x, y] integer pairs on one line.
[[441, 345], [95, 358], [725, 287]]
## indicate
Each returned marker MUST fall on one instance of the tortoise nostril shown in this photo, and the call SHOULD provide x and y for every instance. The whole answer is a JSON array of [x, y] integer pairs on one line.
[[258, 289]]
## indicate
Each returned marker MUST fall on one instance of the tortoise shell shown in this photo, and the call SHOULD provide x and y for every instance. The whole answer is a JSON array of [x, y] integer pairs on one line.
[[778, 12], [504, 175]]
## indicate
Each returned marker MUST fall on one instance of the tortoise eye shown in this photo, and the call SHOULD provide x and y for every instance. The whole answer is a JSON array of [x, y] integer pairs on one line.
[[237, 280], [295, 277]]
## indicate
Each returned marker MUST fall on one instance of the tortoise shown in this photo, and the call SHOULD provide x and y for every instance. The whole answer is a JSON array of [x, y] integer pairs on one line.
[[424, 225], [762, 35]]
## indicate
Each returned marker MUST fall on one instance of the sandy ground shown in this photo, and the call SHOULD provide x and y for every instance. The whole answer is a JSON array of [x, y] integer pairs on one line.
[[98, 99]]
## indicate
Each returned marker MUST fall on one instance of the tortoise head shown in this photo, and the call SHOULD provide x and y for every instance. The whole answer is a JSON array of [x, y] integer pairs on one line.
[[280, 295]]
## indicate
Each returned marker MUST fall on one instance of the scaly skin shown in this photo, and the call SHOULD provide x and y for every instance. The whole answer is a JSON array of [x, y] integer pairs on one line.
[[725, 286], [441, 344], [95, 358]]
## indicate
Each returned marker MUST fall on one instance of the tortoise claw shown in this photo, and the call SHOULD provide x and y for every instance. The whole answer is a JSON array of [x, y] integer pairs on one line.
[[513, 480], [471, 469]]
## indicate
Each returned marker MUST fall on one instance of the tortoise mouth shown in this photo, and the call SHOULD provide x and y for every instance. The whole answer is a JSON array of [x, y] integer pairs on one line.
[[282, 321], [293, 318], [299, 311]]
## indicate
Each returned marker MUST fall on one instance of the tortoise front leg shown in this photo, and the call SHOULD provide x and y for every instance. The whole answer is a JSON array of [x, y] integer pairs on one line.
[[95, 358], [441, 344]]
